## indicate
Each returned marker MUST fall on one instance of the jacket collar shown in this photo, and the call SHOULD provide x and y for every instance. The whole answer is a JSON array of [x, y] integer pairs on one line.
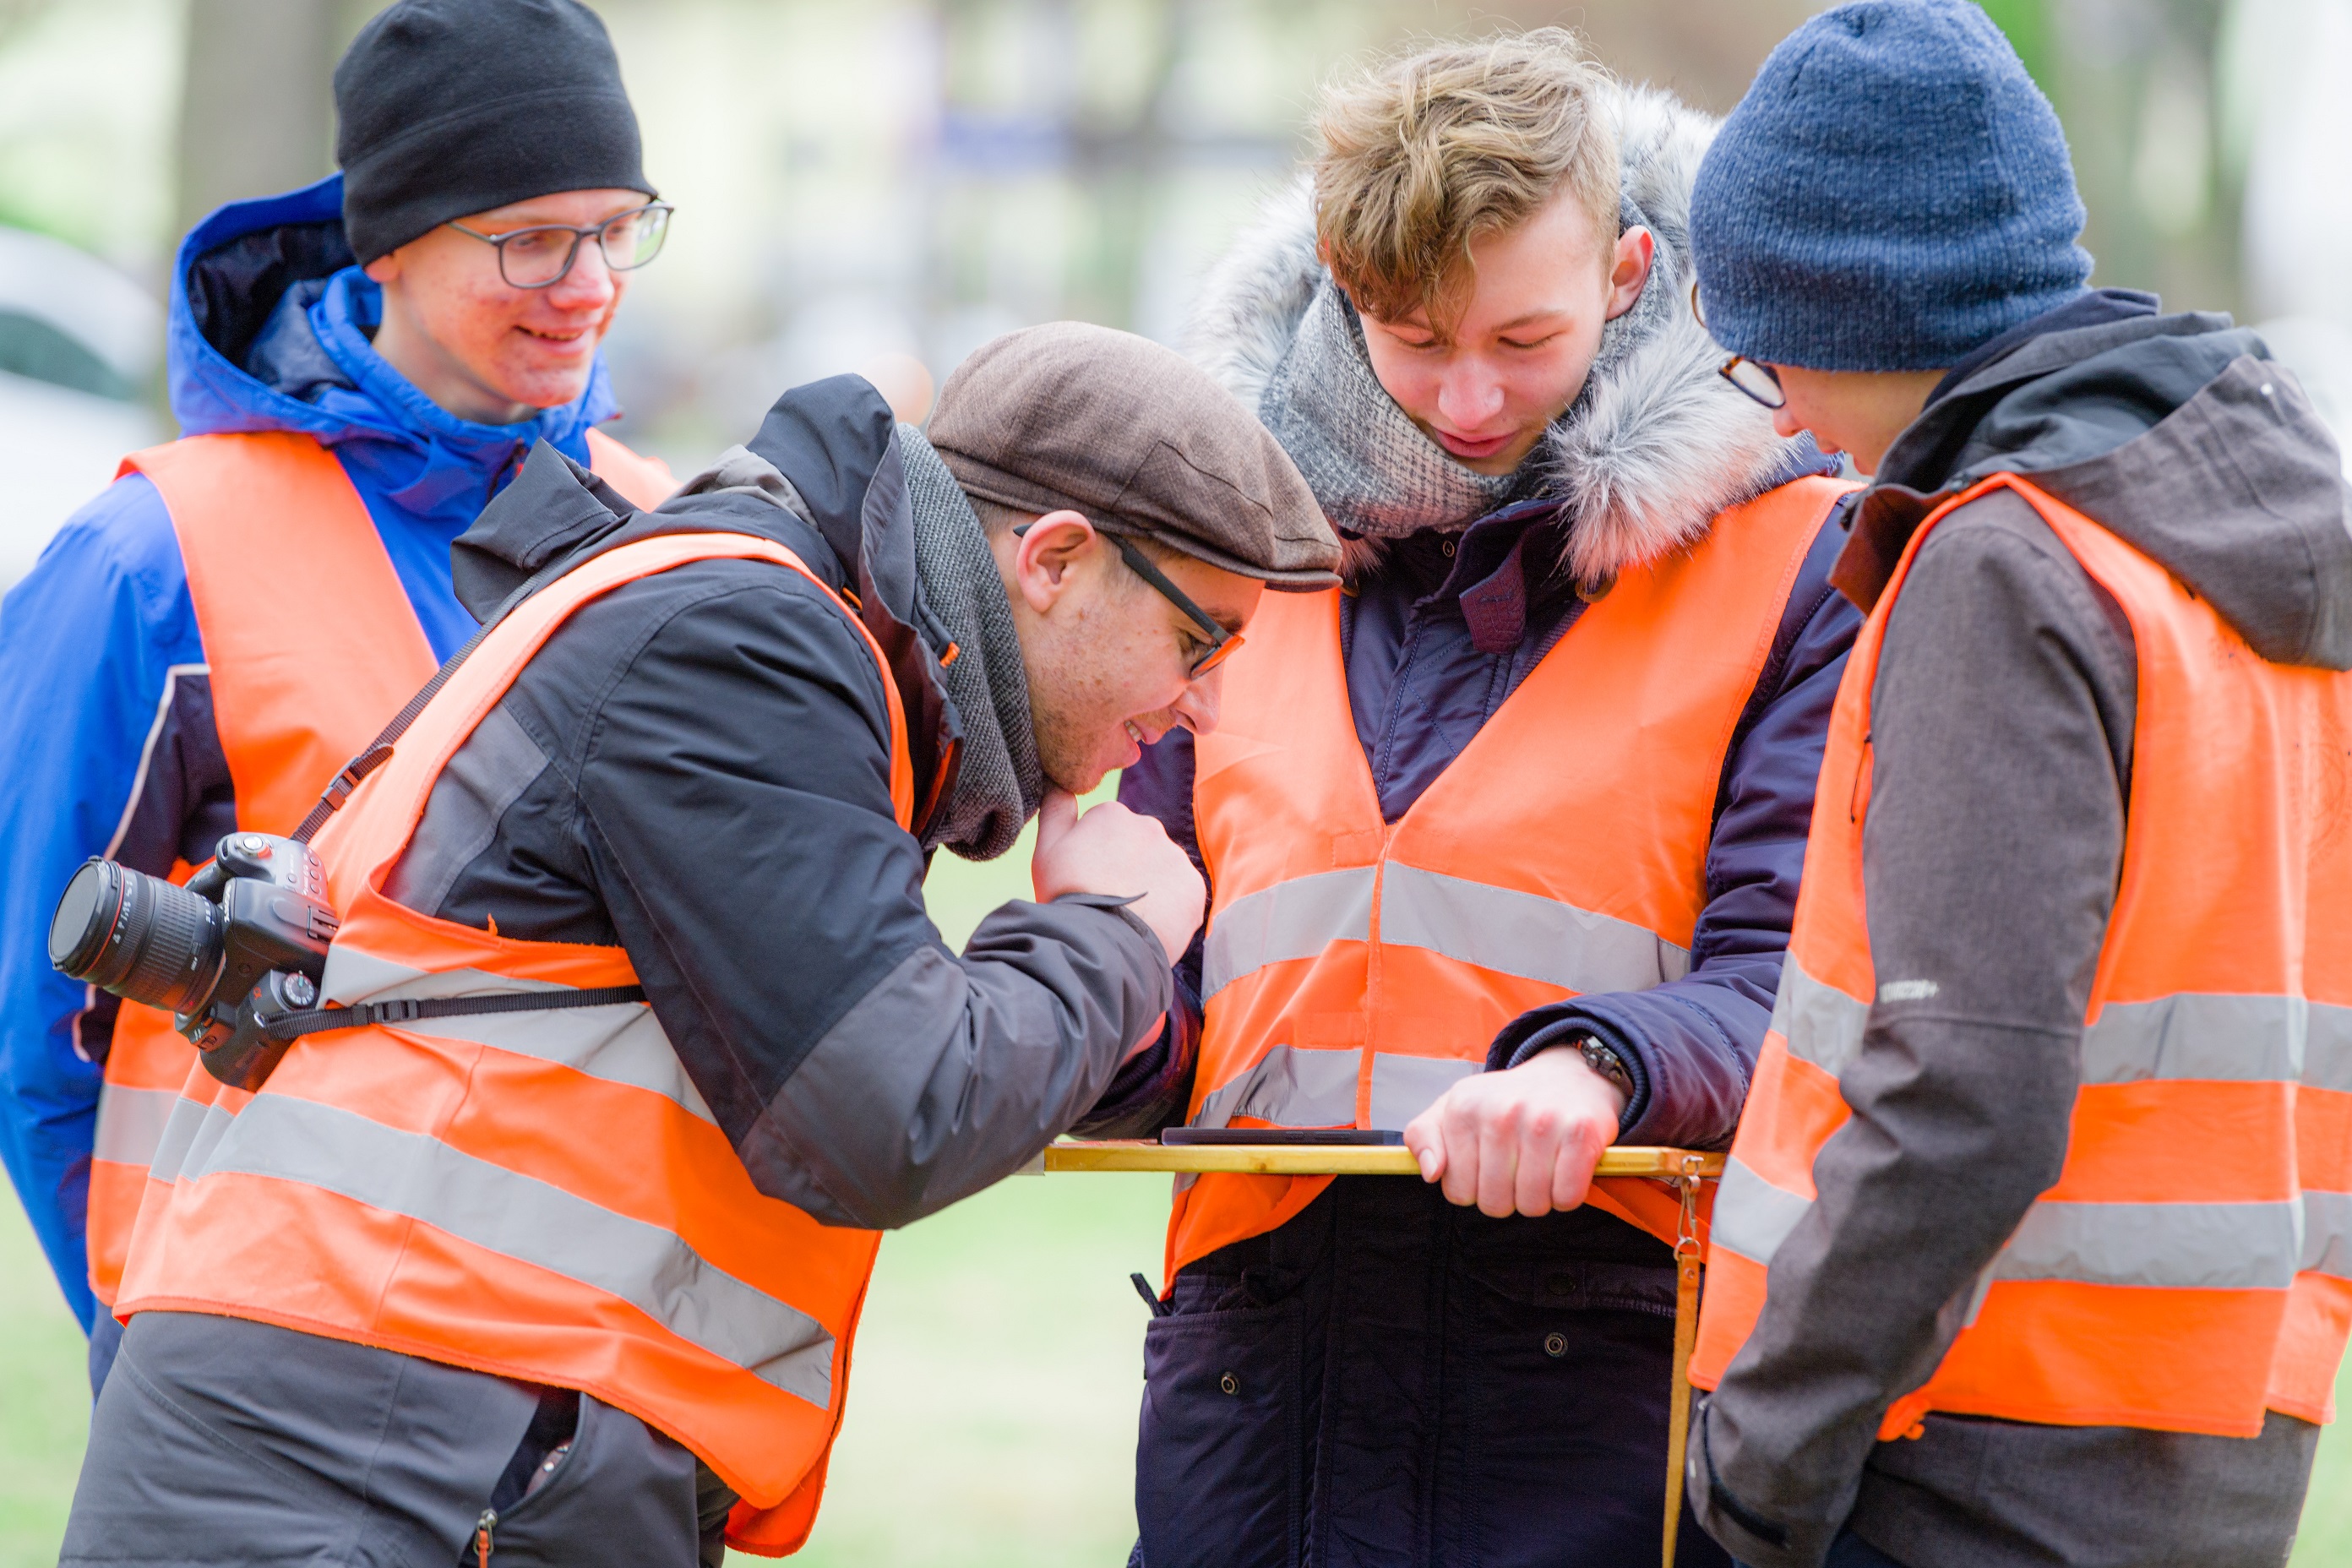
[[1657, 444], [836, 500]]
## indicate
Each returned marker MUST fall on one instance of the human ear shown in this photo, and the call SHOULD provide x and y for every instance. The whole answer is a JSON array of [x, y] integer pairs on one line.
[[1044, 554], [384, 268], [1629, 269]]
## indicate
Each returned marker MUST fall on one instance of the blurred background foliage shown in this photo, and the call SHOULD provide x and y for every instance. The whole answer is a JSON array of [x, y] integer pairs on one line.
[[880, 185]]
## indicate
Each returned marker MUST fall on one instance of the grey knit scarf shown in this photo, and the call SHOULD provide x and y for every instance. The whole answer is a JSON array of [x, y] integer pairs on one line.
[[999, 782], [1376, 472]]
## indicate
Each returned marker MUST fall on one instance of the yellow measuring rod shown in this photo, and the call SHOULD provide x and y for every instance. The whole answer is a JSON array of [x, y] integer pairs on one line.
[[1336, 1158]]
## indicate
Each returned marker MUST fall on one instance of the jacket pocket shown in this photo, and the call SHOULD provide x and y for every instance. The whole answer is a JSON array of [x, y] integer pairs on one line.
[[1218, 1480]]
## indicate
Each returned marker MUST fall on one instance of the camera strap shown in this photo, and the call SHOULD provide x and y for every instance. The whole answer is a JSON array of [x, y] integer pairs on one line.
[[407, 1009], [378, 751]]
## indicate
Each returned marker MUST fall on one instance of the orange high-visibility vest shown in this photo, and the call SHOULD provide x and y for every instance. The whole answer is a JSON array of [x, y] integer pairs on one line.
[[2193, 1264], [1354, 968], [544, 1195], [311, 646]]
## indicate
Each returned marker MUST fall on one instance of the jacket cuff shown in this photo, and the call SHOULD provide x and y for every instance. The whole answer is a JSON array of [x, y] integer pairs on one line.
[[1545, 1028], [1756, 1540]]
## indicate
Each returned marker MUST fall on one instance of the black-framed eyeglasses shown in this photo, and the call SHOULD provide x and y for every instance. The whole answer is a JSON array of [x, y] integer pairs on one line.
[[1757, 379], [542, 255], [1222, 643]]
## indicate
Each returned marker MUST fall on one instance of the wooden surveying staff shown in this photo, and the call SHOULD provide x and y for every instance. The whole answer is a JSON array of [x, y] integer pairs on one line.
[[1684, 1168]]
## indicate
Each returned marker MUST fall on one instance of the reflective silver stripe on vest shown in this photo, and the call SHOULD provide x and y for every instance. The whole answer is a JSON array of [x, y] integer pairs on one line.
[[1752, 1216], [624, 1043], [532, 1222], [2327, 1054], [2192, 1035], [2196, 1034], [131, 1123], [1291, 1086], [1295, 919], [2186, 1247], [2189, 1246], [2328, 1234], [1404, 1087], [1823, 1025], [1525, 934], [188, 1138]]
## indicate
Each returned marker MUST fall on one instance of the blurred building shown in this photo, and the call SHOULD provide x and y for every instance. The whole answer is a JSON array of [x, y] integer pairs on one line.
[[878, 186]]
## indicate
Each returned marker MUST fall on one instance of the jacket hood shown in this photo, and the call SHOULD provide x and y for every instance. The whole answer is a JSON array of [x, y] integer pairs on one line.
[[826, 477], [1656, 444], [269, 330], [2180, 435]]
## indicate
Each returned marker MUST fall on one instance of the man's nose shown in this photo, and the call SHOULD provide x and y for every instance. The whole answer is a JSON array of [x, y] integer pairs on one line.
[[1201, 702], [589, 286], [1469, 395], [1785, 422]]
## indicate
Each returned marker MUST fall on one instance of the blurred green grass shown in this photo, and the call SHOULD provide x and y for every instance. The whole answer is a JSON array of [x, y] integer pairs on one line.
[[999, 1366]]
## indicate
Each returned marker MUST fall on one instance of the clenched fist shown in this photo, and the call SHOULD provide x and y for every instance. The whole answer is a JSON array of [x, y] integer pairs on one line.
[[1112, 851]]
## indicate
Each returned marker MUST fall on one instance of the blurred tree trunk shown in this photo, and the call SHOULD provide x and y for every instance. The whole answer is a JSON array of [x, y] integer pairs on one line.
[[2134, 82], [257, 112]]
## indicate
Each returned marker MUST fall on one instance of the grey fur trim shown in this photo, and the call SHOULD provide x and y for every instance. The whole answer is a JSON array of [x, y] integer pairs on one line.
[[1657, 444]]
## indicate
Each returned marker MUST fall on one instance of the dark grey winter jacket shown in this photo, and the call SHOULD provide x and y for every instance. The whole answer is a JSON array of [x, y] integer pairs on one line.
[[696, 767], [2002, 716]]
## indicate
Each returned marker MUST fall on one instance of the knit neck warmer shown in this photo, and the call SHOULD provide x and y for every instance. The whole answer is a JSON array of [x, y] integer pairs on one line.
[[1372, 467], [1377, 473], [999, 782]]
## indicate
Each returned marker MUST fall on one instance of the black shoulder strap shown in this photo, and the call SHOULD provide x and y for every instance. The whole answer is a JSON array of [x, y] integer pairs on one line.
[[402, 1010]]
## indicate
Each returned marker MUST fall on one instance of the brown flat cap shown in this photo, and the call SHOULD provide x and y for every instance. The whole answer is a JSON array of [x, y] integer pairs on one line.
[[1137, 438]]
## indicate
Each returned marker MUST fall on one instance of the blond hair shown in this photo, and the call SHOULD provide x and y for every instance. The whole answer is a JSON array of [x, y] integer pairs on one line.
[[1426, 152]]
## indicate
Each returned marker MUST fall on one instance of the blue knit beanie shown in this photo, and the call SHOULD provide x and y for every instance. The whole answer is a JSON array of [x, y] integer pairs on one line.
[[1892, 193]]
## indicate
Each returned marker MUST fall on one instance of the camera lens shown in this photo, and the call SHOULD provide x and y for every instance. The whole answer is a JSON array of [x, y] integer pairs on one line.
[[138, 936]]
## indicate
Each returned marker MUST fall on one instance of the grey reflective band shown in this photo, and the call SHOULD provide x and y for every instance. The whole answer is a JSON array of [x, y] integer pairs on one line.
[[1752, 1216], [532, 1222], [1291, 1086], [1501, 929], [1404, 1087], [131, 1123], [1823, 1025], [1524, 934], [2184, 1246], [1293, 918], [2232, 1039], [623, 1043], [2194, 1036], [2328, 1050], [2328, 1234]]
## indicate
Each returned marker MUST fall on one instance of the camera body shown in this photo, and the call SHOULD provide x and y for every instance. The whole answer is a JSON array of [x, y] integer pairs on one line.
[[243, 943]]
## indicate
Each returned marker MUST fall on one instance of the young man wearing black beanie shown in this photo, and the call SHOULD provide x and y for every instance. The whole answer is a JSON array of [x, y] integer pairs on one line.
[[358, 368], [2036, 1242]]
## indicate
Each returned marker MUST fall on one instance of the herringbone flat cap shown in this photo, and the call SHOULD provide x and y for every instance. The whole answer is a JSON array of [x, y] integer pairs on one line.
[[1138, 439]]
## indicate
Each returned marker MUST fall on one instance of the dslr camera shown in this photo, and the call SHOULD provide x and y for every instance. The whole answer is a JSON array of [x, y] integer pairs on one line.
[[241, 946]]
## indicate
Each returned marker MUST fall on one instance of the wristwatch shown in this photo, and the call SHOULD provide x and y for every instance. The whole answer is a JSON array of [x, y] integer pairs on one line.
[[1605, 1062]]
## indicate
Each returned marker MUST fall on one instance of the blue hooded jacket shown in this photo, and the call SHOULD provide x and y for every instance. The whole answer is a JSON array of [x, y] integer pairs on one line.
[[105, 698]]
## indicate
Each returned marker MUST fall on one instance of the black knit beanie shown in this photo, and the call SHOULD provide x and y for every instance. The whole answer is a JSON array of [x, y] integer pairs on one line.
[[451, 107]]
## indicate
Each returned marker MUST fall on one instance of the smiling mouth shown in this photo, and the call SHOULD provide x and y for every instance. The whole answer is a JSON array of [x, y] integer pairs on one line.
[[561, 339]]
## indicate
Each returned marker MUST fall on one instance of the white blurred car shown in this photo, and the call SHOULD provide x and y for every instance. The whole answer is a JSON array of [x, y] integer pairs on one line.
[[79, 343]]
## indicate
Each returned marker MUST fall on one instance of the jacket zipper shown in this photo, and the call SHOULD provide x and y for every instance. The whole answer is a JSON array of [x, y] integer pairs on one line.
[[482, 1528]]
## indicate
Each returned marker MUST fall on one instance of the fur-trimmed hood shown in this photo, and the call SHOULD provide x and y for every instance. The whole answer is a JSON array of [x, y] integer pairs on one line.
[[1656, 444]]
